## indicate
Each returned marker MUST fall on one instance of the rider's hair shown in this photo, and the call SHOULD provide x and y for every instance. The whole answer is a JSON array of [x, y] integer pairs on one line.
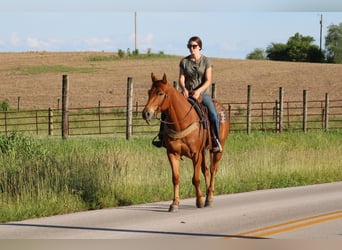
[[195, 39]]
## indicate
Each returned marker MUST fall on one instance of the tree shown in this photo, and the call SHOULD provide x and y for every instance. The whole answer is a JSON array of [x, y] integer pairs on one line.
[[257, 54], [333, 43], [277, 52], [315, 54], [298, 48]]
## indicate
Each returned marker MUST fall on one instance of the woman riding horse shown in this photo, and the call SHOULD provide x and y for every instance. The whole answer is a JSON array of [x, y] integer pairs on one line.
[[185, 135], [195, 78]]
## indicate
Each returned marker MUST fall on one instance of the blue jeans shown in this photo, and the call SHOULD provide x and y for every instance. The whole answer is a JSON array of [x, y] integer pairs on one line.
[[212, 113]]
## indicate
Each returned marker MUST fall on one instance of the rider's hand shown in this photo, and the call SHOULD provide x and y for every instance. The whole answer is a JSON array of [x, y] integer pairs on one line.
[[196, 94], [186, 93]]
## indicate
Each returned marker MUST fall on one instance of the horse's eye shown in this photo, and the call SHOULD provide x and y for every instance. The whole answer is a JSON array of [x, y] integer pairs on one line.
[[160, 93]]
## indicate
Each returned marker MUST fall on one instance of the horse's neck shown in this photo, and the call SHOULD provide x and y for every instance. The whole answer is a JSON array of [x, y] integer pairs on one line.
[[180, 112]]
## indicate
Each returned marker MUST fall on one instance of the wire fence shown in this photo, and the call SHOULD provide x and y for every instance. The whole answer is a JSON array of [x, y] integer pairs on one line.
[[275, 116], [112, 120]]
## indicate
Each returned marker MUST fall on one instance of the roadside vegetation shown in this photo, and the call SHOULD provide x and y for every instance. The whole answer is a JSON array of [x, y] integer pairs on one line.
[[41, 69], [135, 54], [47, 176]]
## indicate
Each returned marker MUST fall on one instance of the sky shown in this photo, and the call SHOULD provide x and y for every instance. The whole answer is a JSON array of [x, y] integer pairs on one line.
[[228, 28]]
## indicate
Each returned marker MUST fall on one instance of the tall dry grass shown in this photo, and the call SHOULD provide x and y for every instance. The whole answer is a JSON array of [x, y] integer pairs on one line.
[[44, 176]]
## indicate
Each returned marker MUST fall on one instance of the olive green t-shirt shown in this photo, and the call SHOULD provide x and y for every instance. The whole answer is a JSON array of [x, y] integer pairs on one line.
[[194, 72]]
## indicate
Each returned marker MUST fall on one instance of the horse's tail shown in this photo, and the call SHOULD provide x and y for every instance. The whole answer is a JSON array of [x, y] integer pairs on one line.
[[224, 121]]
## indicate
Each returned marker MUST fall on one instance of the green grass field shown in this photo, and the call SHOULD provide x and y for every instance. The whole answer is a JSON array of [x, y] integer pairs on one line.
[[48, 176]]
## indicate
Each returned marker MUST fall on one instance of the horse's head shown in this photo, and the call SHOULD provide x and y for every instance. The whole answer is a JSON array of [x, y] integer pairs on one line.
[[157, 98]]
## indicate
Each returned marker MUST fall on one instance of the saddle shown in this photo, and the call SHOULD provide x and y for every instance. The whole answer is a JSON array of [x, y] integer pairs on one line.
[[201, 111]]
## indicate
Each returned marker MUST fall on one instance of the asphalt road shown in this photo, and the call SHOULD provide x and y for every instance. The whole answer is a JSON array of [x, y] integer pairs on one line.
[[310, 212]]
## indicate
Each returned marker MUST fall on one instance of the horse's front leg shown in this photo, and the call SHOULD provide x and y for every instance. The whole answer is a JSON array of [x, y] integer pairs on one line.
[[205, 170], [214, 161], [197, 163], [174, 161]]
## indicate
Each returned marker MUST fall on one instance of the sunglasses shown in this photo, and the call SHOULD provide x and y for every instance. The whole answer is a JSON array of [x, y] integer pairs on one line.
[[193, 46]]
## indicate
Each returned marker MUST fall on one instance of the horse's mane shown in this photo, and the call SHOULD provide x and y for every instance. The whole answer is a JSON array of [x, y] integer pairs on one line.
[[171, 91]]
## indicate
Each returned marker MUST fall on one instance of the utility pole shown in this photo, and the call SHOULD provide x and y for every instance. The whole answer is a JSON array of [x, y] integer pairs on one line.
[[135, 32], [320, 33]]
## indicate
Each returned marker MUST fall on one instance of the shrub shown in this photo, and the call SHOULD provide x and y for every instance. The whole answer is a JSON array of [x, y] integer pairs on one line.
[[135, 52], [4, 105], [20, 146], [121, 53]]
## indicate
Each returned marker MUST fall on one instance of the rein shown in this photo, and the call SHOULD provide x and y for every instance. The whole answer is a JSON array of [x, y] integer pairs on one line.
[[171, 123]]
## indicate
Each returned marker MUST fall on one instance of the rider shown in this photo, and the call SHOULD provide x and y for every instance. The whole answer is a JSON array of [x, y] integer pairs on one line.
[[195, 78]]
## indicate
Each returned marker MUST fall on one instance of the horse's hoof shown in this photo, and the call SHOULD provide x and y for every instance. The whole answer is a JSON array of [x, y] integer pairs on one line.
[[200, 204], [173, 208], [209, 203]]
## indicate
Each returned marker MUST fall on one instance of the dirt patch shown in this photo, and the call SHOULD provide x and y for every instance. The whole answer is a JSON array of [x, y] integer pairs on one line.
[[23, 75]]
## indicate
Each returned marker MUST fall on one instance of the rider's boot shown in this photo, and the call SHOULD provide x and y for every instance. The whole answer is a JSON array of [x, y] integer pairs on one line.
[[216, 145], [158, 142]]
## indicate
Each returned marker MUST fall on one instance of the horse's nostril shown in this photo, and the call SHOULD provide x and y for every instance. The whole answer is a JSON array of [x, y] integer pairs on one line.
[[146, 115]]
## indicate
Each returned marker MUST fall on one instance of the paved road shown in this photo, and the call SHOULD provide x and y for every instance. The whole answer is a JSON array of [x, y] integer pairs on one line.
[[311, 212]]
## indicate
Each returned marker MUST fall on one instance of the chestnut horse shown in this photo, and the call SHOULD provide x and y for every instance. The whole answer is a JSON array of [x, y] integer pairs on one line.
[[185, 135]]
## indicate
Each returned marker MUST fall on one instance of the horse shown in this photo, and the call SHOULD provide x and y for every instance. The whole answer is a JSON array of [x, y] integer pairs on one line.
[[185, 135]]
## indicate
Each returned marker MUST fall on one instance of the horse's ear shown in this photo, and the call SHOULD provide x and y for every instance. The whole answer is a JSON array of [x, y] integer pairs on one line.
[[153, 77], [164, 78]]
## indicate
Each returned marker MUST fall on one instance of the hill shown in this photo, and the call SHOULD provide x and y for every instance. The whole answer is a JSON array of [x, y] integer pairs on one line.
[[36, 77]]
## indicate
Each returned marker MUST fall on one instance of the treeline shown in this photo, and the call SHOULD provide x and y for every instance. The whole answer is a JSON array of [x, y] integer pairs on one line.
[[300, 48]]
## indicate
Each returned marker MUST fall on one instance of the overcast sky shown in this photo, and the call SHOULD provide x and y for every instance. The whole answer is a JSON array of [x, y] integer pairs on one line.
[[229, 29]]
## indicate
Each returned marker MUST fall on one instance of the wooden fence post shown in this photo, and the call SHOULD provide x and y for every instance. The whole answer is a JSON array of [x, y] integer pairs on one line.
[[262, 116], [18, 108], [50, 122], [305, 111], [129, 115], [213, 90], [249, 104], [276, 115], [37, 128], [99, 116], [326, 112], [58, 101], [229, 111], [136, 109], [175, 84], [65, 107], [288, 114], [281, 108], [5, 114]]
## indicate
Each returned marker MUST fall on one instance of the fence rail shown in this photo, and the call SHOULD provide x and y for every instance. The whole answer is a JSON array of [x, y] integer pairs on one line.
[[274, 116], [112, 120], [265, 116]]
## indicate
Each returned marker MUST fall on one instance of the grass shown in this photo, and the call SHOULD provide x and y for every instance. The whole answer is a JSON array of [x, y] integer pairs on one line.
[[113, 57], [45, 176], [281, 160], [34, 70]]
